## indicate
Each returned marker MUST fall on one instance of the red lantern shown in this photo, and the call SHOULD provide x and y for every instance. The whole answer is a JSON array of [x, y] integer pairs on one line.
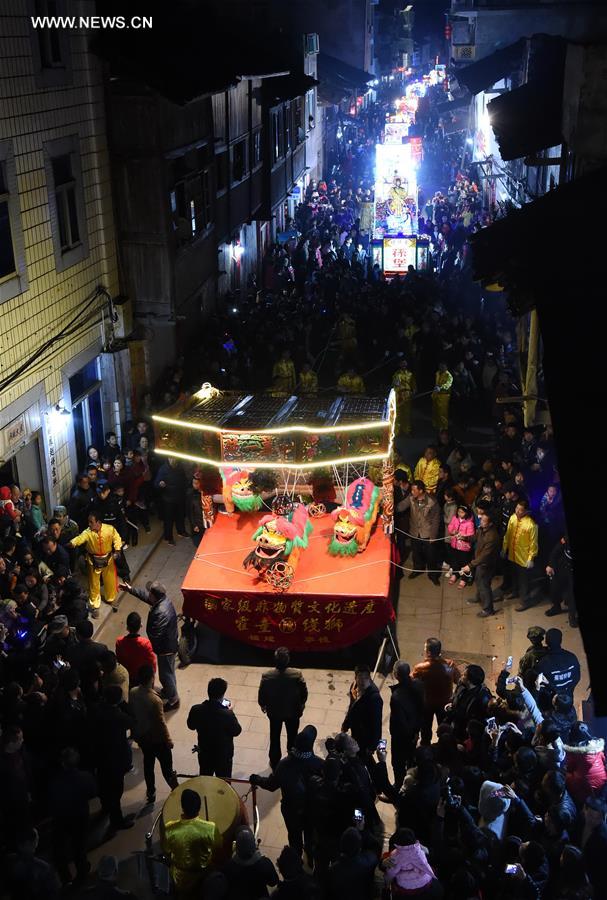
[[448, 31]]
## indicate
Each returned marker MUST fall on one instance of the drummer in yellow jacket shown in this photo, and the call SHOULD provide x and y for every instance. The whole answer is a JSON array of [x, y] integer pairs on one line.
[[190, 843], [351, 383], [404, 384], [102, 544], [441, 396], [520, 549], [427, 468]]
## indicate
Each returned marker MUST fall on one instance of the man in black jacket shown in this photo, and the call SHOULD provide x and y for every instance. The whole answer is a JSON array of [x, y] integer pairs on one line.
[[161, 628], [469, 701], [216, 727], [109, 723], [282, 696], [364, 715], [406, 711], [87, 653], [172, 483], [560, 667], [560, 572], [292, 775], [80, 503]]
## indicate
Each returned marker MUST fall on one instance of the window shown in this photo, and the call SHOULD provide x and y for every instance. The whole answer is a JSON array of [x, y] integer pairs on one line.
[[239, 160], [277, 136], [48, 38], [13, 274], [287, 127], [66, 201], [299, 125], [222, 171], [50, 46], [310, 109], [7, 254], [257, 148], [190, 196]]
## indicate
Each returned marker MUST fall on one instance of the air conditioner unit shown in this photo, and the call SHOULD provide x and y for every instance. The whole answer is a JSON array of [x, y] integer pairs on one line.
[[311, 43], [464, 52], [124, 322]]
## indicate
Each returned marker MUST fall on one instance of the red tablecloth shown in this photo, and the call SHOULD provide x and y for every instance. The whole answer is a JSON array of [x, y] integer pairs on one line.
[[332, 602]]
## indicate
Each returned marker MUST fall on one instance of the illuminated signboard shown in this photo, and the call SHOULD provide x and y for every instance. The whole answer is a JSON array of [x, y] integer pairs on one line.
[[395, 190], [395, 132], [399, 254]]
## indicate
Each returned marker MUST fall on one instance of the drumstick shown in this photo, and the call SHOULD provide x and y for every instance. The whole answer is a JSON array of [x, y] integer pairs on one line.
[[206, 808]]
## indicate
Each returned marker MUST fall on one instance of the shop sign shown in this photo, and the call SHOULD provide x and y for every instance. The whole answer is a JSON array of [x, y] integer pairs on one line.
[[16, 432], [52, 459]]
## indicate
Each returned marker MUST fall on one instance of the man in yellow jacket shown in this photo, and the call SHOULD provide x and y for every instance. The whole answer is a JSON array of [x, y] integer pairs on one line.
[[190, 843], [404, 384], [283, 374], [520, 548], [308, 380], [427, 468], [351, 383], [102, 544], [441, 396]]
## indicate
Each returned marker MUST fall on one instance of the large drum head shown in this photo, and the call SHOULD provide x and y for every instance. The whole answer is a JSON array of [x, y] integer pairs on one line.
[[222, 803]]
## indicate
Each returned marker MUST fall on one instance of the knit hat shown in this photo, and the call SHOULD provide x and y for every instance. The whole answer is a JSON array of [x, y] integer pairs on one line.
[[246, 845], [304, 742], [59, 512]]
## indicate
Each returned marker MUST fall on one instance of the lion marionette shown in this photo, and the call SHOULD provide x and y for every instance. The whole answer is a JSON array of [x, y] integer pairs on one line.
[[354, 520]]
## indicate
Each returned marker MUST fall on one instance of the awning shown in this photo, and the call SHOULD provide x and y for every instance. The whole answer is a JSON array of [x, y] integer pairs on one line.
[[529, 118], [287, 87], [525, 245], [452, 105], [339, 74], [486, 72]]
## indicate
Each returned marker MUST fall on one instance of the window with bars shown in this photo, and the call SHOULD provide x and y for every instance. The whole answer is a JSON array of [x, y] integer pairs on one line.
[[7, 254], [190, 197]]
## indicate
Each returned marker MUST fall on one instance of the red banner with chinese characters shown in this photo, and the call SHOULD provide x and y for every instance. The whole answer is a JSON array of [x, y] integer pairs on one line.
[[294, 622], [333, 602]]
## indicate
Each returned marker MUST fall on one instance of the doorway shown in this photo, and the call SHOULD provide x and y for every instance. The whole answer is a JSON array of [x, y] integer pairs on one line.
[[87, 413]]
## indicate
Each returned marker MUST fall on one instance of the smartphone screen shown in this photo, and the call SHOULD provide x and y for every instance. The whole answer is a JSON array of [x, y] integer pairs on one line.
[[358, 815], [511, 870]]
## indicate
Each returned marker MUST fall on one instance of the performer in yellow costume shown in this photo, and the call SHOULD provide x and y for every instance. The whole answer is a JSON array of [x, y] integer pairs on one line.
[[441, 396], [101, 542], [308, 380], [283, 374], [405, 386], [427, 468], [190, 843], [346, 335], [351, 383]]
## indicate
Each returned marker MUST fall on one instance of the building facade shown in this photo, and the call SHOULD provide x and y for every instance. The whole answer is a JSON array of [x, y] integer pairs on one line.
[[58, 265]]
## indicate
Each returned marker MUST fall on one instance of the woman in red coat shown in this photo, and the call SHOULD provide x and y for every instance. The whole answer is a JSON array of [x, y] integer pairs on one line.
[[585, 764]]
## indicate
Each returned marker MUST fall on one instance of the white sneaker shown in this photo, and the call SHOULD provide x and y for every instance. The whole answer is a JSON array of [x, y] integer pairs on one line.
[[449, 573]]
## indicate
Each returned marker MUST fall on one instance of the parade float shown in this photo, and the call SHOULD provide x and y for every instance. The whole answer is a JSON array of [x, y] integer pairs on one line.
[[277, 566]]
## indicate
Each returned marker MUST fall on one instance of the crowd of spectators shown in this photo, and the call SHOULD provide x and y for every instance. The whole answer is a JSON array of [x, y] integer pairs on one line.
[[508, 801]]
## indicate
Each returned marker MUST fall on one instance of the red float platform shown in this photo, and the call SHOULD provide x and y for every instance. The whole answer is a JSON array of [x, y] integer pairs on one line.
[[332, 602]]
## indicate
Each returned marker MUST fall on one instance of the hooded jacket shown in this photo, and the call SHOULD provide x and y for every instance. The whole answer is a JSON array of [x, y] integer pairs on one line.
[[585, 766]]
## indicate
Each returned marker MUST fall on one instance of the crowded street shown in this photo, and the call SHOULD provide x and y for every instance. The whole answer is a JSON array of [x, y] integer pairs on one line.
[[314, 484]]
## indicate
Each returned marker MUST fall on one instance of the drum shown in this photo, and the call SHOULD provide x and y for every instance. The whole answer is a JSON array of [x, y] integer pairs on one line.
[[222, 806]]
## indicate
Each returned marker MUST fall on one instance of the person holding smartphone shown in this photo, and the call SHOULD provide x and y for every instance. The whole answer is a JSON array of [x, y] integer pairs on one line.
[[216, 726]]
